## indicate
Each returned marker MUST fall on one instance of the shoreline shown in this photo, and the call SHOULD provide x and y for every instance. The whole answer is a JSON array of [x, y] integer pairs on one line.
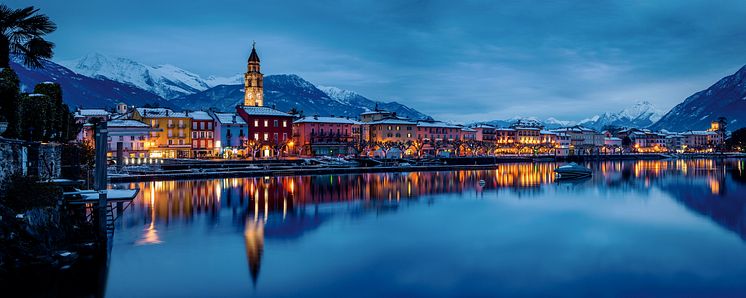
[[204, 169]]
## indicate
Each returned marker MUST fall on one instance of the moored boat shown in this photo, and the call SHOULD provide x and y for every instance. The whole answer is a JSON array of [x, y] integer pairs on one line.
[[572, 170]]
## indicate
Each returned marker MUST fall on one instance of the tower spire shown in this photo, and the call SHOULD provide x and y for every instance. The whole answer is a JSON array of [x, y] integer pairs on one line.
[[253, 80]]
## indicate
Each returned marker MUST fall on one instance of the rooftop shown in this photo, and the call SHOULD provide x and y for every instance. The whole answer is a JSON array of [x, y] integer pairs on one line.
[[160, 112], [317, 119], [229, 118], [126, 123], [91, 112], [200, 115], [393, 121], [263, 111], [439, 124]]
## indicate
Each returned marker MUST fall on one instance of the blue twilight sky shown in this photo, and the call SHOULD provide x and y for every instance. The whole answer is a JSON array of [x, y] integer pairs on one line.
[[455, 60]]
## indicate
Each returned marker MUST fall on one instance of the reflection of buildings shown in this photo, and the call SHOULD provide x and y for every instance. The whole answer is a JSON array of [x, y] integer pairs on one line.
[[288, 208]]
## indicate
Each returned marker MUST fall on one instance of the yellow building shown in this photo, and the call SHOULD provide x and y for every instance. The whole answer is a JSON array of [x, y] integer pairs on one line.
[[174, 138], [392, 130]]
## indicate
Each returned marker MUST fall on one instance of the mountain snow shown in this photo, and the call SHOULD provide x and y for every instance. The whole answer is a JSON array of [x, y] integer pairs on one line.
[[167, 81], [641, 114]]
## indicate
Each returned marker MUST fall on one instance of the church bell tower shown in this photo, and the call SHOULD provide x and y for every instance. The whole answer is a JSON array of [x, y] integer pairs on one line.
[[253, 81]]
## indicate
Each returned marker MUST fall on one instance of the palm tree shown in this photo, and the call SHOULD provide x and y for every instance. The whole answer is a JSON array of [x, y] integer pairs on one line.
[[21, 33]]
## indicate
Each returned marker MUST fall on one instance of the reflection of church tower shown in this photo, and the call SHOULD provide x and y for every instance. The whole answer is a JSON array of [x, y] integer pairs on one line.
[[254, 239], [253, 81]]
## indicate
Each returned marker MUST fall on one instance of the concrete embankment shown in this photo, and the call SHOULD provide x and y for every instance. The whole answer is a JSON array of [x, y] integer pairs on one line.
[[291, 172], [206, 169]]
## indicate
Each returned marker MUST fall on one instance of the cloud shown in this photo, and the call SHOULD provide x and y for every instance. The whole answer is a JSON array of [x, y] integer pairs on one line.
[[454, 60]]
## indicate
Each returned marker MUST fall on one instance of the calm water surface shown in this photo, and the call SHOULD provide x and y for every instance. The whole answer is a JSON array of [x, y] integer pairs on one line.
[[646, 228]]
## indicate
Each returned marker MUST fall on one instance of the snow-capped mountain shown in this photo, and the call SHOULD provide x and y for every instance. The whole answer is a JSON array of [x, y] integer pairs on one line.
[[291, 91], [641, 114], [351, 98], [79, 90], [548, 123], [167, 81], [726, 98]]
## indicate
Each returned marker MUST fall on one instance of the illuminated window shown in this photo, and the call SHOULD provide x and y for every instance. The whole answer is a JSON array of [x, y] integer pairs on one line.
[[284, 123], [266, 123], [256, 136], [266, 136], [256, 123]]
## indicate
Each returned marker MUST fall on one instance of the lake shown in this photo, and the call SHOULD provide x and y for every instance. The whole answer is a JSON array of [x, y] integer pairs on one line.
[[636, 228]]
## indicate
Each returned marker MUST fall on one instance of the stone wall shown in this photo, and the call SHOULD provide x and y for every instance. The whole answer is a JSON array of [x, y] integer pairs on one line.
[[13, 156], [43, 160]]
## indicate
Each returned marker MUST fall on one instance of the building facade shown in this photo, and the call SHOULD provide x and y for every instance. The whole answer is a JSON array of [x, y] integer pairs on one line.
[[325, 136], [203, 130], [171, 135], [231, 134]]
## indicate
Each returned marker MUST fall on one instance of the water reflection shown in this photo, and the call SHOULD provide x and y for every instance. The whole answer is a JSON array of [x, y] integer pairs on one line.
[[287, 208]]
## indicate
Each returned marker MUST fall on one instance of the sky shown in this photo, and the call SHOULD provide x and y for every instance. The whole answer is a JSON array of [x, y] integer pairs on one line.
[[455, 60]]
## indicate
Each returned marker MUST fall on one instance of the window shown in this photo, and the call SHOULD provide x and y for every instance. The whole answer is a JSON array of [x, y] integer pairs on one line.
[[181, 142], [398, 127], [194, 125], [209, 125], [398, 135], [170, 142], [194, 135], [284, 136], [256, 123], [170, 133], [284, 123], [274, 136], [202, 126], [409, 135], [389, 127], [266, 136], [256, 136], [277, 123], [194, 144], [181, 123], [266, 123], [121, 138], [132, 138]]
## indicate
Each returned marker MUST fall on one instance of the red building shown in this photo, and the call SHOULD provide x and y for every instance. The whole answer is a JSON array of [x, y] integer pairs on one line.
[[269, 129], [203, 138]]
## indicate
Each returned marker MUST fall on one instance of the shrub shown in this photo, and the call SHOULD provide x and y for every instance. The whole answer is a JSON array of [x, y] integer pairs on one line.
[[24, 193]]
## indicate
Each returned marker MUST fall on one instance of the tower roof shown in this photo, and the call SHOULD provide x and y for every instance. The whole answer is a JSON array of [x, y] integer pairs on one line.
[[253, 57]]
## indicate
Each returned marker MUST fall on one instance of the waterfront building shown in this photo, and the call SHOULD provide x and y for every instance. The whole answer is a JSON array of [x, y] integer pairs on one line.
[[202, 134], [468, 134], [646, 141], [431, 130], [325, 136], [612, 145], [231, 133], [268, 127], [583, 140], [376, 115], [83, 116], [700, 141], [393, 130], [171, 137], [484, 132], [675, 142], [134, 137]]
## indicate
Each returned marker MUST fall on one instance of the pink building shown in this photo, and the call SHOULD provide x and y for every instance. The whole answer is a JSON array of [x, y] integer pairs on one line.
[[327, 136]]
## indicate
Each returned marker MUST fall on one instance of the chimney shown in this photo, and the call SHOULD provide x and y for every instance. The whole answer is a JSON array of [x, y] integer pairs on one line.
[[234, 118], [166, 113], [187, 113]]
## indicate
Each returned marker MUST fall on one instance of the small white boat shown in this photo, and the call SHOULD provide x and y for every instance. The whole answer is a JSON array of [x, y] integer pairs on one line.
[[572, 170]]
